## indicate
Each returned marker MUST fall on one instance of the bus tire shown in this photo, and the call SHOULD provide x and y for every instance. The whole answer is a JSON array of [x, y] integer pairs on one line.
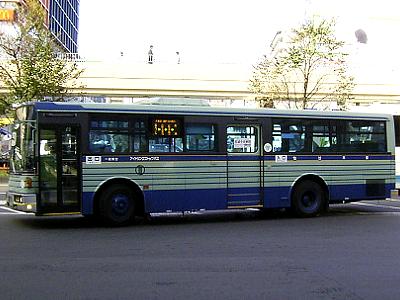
[[308, 199], [117, 205]]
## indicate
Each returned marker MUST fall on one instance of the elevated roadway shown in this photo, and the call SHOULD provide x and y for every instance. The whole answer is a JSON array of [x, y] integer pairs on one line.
[[120, 78]]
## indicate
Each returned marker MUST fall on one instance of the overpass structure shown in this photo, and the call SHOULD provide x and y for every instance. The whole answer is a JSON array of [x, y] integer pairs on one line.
[[121, 79]]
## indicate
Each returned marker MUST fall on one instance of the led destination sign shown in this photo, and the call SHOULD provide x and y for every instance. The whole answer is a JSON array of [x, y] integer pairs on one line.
[[166, 127]]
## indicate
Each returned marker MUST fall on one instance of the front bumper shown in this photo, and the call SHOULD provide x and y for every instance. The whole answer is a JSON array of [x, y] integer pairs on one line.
[[22, 202]]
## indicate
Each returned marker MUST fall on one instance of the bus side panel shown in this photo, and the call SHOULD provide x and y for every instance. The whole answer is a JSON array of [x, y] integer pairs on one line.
[[169, 183], [184, 183], [277, 197], [348, 177], [353, 192], [176, 200], [361, 177], [185, 200], [87, 203]]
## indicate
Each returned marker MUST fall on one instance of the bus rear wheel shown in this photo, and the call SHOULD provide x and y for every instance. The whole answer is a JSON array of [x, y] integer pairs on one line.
[[308, 199], [117, 205]]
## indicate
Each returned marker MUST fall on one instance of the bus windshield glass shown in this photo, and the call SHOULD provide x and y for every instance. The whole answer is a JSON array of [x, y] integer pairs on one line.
[[22, 150]]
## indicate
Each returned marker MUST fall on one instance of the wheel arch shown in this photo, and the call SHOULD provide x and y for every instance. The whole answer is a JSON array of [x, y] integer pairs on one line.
[[124, 181], [312, 177]]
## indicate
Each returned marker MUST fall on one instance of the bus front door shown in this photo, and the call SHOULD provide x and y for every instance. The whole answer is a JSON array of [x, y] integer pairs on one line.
[[59, 183], [244, 166]]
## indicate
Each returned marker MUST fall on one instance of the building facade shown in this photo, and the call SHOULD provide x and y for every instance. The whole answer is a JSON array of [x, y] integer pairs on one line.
[[62, 19], [63, 22]]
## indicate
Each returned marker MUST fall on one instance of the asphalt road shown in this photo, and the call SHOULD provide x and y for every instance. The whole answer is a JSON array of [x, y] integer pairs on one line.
[[350, 253]]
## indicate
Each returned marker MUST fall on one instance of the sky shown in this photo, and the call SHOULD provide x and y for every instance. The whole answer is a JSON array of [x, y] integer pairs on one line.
[[224, 31]]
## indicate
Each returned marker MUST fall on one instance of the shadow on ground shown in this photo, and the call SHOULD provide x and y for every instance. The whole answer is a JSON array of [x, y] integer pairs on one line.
[[71, 222]]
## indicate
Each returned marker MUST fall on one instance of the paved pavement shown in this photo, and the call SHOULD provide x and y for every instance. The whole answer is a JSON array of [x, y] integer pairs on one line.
[[387, 206], [349, 253]]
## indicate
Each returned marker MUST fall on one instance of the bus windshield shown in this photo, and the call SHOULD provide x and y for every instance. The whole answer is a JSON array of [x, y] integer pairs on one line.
[[22, 147]]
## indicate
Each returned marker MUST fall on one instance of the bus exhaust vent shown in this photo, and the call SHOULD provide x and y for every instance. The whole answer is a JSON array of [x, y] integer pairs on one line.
[[375, 187]]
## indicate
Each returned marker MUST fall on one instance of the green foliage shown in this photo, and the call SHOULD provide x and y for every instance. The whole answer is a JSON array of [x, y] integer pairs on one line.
[[30, 69], [4, 173], [309, 70]]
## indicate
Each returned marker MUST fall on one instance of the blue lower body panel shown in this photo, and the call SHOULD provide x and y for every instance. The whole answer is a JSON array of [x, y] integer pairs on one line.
[[349, 193], [215, 199], [184, 200], [87, 203]]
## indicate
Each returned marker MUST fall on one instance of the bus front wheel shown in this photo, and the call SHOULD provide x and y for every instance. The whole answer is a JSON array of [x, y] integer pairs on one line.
[[308, 199], [117, 205]]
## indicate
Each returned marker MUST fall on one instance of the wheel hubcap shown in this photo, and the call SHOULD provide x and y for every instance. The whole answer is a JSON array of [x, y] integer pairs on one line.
[[309, 200], [120, 204]]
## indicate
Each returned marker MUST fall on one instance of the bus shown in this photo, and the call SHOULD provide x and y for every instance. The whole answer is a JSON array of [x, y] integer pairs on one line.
[[122, 161], [396, 119]]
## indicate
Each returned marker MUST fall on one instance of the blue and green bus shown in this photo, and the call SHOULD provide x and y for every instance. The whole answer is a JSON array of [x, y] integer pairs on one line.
[[121, 161]]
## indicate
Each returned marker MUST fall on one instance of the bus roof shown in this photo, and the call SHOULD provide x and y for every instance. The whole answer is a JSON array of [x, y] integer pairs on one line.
[[197, 110]]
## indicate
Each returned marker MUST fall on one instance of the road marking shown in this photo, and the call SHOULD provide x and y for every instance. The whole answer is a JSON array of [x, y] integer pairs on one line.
[[393, 200], [11, 210], [376, 205]]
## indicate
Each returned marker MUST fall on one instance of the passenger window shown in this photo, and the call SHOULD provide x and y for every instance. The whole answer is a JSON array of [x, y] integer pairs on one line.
[[164, 145], [288, 136], [199, 137], [363, 136], [139, 136], [323, 139], [166, 135], [242, 139], [328, 136], [109, 136]]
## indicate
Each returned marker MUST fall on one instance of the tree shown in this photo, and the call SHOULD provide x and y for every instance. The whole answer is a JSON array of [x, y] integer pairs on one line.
[[30, 65], [309, 71]]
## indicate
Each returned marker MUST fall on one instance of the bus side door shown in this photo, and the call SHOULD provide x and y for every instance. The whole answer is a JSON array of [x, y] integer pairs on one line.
[[244, 165], [59, 169]]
